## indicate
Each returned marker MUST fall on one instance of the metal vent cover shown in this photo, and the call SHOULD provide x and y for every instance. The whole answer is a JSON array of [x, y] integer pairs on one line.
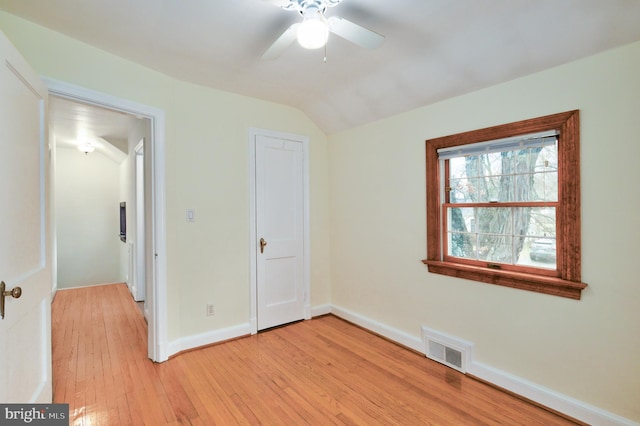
[[447, 350]]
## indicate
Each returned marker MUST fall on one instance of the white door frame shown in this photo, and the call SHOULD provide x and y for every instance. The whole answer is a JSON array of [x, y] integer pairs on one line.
[[253, 236], [139, 249], [157, 299]]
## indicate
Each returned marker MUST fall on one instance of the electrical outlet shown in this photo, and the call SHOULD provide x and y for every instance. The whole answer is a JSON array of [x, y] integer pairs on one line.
[[211, 310]]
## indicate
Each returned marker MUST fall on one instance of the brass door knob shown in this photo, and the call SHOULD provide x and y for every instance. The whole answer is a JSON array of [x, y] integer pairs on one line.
[[15, 292]]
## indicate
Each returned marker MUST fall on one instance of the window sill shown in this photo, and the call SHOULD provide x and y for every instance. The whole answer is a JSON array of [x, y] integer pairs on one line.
[[537, 283]]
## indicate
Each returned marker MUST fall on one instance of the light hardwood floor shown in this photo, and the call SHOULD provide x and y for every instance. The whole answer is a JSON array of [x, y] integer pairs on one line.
[[323, 371]]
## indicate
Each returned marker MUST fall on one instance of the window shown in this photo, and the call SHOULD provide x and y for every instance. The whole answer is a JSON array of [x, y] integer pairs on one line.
[[503, 205]]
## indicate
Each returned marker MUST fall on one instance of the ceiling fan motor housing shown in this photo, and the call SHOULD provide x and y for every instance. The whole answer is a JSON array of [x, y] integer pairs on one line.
[[313, 6]]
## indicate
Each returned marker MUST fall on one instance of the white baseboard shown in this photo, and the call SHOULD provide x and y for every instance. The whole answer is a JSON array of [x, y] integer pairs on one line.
[[318, 311], [391, 333], [547, 397], [208, 338], [216, 336], [88, 285]]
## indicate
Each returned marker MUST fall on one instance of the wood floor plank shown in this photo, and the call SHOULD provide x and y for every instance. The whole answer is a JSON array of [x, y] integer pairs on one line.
[[319, 372]]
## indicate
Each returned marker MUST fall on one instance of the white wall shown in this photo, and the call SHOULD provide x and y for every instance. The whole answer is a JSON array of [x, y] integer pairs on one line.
[[87, 218], [588, 349]]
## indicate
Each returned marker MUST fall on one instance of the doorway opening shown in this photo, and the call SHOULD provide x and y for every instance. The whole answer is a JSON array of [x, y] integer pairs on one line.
[[95, 195], [149, 245]]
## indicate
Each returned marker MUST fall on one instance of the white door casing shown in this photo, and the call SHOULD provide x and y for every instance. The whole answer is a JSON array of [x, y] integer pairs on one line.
[[139, 285], [280, 269], [25, 245]]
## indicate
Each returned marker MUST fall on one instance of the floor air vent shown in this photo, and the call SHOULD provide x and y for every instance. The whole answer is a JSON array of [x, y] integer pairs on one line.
[[446, 349]]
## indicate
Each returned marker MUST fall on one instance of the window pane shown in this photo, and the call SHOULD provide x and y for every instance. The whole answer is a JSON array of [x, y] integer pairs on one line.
[[537, 252], [495, 189], [503, 234], [495, 248], [546, 186], [538, 247], [492, 164], [526, 160], [542, 221], [548, 159], [494, 220], [545, 178], [471, 166], [492, 184], [457, 168], [463, 190], [461, 219], [462, 245], [461, 223], [520, 175], [524, 188]]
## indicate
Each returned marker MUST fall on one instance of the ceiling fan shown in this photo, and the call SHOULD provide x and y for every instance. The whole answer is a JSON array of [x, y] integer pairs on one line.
[[313, 31]]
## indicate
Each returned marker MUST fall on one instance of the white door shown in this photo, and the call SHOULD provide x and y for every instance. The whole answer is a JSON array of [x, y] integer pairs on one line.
[[280, 230], [25, 331]]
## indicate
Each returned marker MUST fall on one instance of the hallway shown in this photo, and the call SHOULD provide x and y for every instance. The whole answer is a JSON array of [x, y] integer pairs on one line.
[[99, 356]]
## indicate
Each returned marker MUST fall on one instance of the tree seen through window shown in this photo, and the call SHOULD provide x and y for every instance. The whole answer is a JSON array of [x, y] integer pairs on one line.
[[499, 234]]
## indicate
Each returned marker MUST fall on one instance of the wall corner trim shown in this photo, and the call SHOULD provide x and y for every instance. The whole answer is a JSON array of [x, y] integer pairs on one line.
[[318, 311]]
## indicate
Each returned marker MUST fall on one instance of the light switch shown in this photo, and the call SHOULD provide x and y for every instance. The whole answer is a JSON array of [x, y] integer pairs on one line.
[[191, 215]]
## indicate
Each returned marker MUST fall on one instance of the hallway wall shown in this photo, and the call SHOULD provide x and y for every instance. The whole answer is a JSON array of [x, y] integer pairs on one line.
[[87, 218]]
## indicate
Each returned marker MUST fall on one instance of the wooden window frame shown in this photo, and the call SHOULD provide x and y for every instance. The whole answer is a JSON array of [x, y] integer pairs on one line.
[[565, 281]]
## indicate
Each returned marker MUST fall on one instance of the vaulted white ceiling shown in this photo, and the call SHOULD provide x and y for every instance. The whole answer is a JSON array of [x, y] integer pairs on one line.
[[434, 49]]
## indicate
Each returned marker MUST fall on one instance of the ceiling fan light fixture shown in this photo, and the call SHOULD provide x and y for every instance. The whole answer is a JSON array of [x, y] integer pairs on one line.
[[313, 32], [86, 147]]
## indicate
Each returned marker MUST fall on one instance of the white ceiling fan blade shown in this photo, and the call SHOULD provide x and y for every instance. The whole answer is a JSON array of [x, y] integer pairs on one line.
[[354, 33], [282, 43], [285, 4], [332, 3], [292, 4]]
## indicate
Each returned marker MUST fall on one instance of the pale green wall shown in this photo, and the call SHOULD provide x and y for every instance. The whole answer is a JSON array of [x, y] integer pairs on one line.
[[210, 174], [207, 153], [87, 218], [588, 349]]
